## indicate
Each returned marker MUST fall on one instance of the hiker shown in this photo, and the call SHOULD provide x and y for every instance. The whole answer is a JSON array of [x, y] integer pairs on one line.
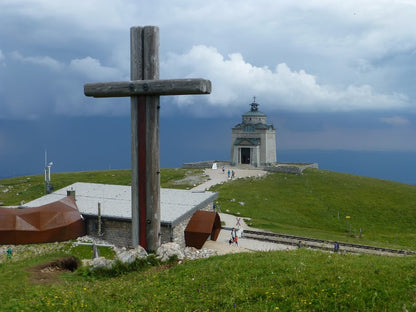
[[232, 174], [9, 253], [231, 240], [336, 247], [228, 172], [233, 234]]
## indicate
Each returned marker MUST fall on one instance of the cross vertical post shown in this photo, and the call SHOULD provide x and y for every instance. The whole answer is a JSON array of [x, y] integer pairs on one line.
[[144, 90], [145, 141]]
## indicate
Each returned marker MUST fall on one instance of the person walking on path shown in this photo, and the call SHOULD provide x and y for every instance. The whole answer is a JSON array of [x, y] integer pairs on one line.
[[9, 253], [336, 247], [233, 234], [228, 172]]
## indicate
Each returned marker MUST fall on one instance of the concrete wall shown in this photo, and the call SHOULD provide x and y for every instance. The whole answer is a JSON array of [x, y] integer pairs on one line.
[[271, 147], [205, 164]]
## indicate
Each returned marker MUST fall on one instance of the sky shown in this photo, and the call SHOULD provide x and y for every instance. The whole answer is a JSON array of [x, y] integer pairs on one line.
[[336, 79]]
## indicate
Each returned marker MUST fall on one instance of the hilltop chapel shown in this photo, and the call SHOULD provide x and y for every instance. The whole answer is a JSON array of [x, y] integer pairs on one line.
[[253, 141]]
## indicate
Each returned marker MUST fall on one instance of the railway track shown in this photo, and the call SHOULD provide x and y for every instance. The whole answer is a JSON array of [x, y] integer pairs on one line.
[[320, 244]]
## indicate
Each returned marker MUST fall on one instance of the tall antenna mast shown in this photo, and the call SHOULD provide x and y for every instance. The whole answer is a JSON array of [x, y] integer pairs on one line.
[[48, 186]]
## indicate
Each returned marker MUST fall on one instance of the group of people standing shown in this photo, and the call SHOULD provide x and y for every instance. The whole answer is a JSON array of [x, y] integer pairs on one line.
[[234, 237], [230, 173]]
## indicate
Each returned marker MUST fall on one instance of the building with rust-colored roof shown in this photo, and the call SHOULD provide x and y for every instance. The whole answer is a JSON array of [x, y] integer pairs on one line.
[[113, 222]]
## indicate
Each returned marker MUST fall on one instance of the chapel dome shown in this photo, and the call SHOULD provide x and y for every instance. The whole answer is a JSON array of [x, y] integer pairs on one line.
[[254, 116], [254, 111]]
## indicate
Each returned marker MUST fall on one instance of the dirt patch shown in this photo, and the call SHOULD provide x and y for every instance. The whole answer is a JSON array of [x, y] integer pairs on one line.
[[48, 273], [191, 180]]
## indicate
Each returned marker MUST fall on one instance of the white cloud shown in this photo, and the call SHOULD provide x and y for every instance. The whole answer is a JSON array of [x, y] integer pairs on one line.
[[395, 121], [92, 69], [298, 56], [234, 80], [89, 67], [45, 61]]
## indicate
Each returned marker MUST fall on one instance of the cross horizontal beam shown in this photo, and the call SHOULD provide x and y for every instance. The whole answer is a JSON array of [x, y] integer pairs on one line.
[[148, 87]]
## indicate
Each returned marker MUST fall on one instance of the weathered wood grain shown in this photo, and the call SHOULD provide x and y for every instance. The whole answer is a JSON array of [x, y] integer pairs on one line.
[[148, 87]]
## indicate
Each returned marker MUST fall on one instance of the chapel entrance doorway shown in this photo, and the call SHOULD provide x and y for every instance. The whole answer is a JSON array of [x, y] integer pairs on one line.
[[245, 155]]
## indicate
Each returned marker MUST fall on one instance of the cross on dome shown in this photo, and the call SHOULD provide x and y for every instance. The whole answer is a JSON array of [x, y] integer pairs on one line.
[[254, 105]]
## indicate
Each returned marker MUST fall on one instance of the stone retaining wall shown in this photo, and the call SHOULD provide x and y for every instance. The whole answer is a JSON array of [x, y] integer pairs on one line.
[[118, 231], [178, 232]]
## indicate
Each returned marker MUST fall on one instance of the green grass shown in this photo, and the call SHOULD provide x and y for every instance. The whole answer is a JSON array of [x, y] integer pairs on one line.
[[28, 188], [316, 204], [313, 204], [301, 280], [85, 252]]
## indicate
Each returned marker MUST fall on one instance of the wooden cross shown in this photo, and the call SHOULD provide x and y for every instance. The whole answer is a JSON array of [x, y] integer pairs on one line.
[[144, 90]]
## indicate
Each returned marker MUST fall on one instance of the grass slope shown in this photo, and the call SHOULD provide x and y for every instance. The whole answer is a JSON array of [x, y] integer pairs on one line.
[[301, 280], [317, 203], [314, 204], [15, 190]]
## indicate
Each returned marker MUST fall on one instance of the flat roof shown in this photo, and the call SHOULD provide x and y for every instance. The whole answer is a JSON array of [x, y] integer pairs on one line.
[[116, 201]]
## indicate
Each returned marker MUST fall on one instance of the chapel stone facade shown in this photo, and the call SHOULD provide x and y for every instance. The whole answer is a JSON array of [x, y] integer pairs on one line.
[[253, 141]]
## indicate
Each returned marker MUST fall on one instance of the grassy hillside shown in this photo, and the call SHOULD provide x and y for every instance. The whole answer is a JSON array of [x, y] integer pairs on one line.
[[27, 188], [317, 203], [314, 204], [301, 280]]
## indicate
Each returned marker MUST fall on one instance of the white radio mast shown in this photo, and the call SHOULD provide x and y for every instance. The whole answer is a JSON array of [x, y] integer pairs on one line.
[[48, 186]]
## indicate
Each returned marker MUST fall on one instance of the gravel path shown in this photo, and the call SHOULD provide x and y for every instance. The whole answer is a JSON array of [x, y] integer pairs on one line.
[[217, 176], [222, 246]]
